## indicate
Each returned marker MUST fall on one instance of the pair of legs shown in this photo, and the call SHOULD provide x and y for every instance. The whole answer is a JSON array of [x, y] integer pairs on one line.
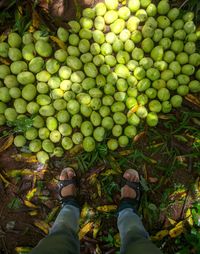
[[63, 237]]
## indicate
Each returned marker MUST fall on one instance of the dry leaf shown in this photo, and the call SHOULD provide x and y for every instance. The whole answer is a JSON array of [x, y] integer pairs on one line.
[[188, 217], [60, 43], [22, 250], [29, 204], [139, 136], [5, 61], [177, 230], [85, 229], [160, 235], [35, 19], [6, 142], [33, 213], [42, 225], [96, 227], [125, 152], [25, 158], [106, 208], [31, 194], [6, 182], [193, 99]]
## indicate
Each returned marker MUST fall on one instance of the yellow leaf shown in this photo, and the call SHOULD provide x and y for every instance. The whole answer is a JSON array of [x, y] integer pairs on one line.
[[5, 143], [23, 250], [3, 37], [25, 157], [33, 213], [125, 152], [193, 99], [99, 188], [160, 235], [106, 208], [60, 43], [29, 204], [188, 217], [31, 29], [35, 19], [177, 230], [85, 229], [132, 110], [31, 194], [109, 172], [52, 214], [96, 227], [117, 240], [42, 225], [19, 172], [172, 222], [87, 212]]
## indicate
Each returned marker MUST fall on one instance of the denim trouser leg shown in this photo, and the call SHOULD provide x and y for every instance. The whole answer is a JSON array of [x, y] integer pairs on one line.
[[134, 237], [63, 237]]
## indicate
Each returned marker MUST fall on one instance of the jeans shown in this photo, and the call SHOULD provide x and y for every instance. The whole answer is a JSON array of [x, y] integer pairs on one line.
[[63, 238]]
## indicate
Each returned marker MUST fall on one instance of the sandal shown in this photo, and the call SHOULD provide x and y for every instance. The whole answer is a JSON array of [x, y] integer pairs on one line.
[[129, 202], [66, 182]]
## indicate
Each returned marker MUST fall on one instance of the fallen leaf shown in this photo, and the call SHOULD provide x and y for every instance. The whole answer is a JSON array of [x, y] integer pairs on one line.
[[160, 235], [171, 221], [139, 136], [6, 182], [29, 204], [19, 172], [52, 214], [193, 99], [42, 225], [31, 193], [106, 208], [60, 43], [96, 227], [117, 242], [109, 172], [35, 19], [188, 217], [177, 230], [33, 213], [4, 61], [87, 212], [85, 229], [75, 150], [125, 152], [25, 157], [132, 110], [6, 142]]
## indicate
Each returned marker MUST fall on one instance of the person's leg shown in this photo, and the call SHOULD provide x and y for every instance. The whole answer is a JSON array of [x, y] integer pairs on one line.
[[134, 237], [63, 236]]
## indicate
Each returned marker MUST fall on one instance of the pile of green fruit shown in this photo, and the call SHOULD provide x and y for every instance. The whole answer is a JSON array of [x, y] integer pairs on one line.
[[121, 65]]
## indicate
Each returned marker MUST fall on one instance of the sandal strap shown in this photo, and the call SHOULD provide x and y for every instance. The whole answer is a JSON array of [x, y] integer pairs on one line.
[[64, 183], [134, 185]]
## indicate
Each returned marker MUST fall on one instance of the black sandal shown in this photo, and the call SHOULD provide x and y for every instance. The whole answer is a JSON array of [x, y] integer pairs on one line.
[[130, 202], [70, 199]]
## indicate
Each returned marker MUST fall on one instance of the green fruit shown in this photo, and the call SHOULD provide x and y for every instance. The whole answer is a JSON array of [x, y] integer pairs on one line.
[[183, 79], [119, 24], [18, 67], [57, 93], [152, 74], [143, 84], [188, 69], [118, 107], [2, 120], [10, 114], [194, 86], [141, 15], [169, 32], [133, 119], [104, 111], [133, 5], [180, 34], [165, 43], [55, 136], [2, 107], [175, 67], [122, 71], [58, 152], [111, 4], [147, 45], [176, 101], [152, 119], [67, 143], [107, 123], [14, 54], [158, 34], [136, 36], [35, 145], [85, 110], [51, 123], [42, 157], [142, 99], [11, 81], [99, 134], [60, 55], [167, 75], [151, 93], [147, 31], [173, 14], [27, 38], [139, 73], [32, 108], [62, 34], [39, 35], [124, 13], [47, 110], [90, 70], [65, 129], [183, 90], [38, 121], [194, 59], [110, 17], [19, 141], [20, 105], [4, 71], [182, 58], [84, 45], [14, 40], [163, 7], [112, 144], [88, 144], [43, 48], [166, 107], [76, 121], [141, 112], [99, 23], [163, 94], [42, 88], [63, 116], [155, 106], [29, 92], [77, 138], [123, 141], [43, 99], [157, 84], [117, 130], [98, 36], [189, 27], [4, 47], [172, 84], [188, 16], [43, 133], [169, 56], [146, 63], [190, 47], [73, 107], [28, 51], [31, 133], [130, 131], [177, 46], [119, 118], [163, 22], [95, 118], [25, 78], [86, 128], [48, 146], [119, 96], [157, 53]]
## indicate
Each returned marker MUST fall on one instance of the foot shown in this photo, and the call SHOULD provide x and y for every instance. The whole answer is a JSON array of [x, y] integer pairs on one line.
[[68, 189], [132, 176]]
